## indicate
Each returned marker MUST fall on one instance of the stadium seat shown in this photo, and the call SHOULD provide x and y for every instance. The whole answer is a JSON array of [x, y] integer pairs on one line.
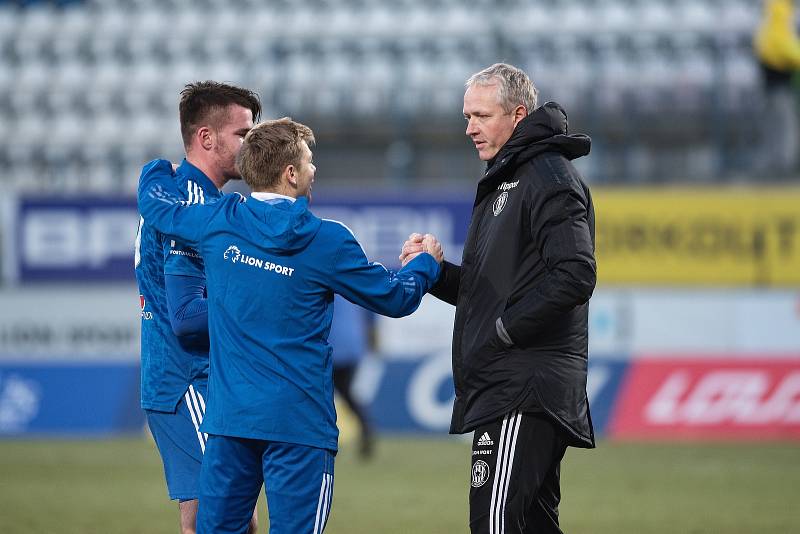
[[405, 59]]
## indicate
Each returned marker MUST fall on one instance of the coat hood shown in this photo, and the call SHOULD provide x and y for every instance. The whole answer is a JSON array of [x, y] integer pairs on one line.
[[544, 130], [281, 225]]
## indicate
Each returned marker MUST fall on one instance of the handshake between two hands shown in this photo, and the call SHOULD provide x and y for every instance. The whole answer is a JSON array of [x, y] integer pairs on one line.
[[416, 244]]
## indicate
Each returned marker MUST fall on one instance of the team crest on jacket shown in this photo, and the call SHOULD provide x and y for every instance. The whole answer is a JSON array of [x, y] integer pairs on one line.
[[480, 473], [500, 203]]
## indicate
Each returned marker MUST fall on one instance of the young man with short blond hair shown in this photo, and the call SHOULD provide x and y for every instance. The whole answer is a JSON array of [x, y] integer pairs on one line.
[[273, 268]]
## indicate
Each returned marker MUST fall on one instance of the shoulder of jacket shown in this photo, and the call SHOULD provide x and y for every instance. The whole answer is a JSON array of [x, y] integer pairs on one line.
[[549, 171], [335, 228]]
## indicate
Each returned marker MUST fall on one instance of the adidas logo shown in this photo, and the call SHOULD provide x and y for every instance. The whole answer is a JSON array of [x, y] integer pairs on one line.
[[485, 440]]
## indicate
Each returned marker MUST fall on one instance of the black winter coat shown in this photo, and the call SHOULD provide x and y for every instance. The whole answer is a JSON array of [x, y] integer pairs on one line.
[[520, 340]]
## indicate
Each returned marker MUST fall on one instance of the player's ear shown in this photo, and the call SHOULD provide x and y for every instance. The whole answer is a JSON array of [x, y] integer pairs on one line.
[[205, 137], [290, 173]]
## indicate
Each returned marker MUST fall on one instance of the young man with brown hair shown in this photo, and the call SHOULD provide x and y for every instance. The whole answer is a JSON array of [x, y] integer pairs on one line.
[[214, 118]]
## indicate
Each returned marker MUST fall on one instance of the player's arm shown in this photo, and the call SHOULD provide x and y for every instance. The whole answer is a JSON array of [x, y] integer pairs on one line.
[[161, 206], [372, 286], [188, 308], [560, 228]]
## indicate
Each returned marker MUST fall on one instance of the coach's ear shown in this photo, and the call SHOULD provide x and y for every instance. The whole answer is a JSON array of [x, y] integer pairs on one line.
[[519, 113]]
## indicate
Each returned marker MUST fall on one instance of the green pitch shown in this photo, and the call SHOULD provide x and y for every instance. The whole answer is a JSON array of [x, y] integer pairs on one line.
[[420, 486]]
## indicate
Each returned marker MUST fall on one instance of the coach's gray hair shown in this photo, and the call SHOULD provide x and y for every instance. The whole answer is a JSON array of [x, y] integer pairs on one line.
[[514, 88]]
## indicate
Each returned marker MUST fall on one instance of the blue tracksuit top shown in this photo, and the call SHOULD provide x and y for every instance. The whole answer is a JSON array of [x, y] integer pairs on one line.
[[169, 364], [272, 269]]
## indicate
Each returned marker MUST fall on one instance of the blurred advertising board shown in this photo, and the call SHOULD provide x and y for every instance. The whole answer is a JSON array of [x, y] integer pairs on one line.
[[698, 236], [382, 224], [92, 239], [74, 239], [69, 323], [639, 321], [644, 236], [69, 399], [702, 397], [69, 360], [709, 398], [416, 394]]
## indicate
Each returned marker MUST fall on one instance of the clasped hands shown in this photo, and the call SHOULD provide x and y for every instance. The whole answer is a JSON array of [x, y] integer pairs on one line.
[[416, 244]]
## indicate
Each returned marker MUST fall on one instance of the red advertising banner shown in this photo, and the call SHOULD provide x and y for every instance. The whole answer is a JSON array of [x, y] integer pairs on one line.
[[709, 398]]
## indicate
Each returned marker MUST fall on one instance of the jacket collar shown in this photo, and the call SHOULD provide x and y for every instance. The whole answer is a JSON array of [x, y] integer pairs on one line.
[[190, 172]]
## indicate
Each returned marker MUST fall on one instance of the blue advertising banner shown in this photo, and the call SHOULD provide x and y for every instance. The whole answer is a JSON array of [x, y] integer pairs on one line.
[[92, 239], [99, 399], [416, 395], [603, 386], [382, 224], [80, 239], [80, 399]]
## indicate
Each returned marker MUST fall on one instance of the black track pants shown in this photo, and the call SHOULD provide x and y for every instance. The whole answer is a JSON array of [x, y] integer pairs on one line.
[[515, 478]]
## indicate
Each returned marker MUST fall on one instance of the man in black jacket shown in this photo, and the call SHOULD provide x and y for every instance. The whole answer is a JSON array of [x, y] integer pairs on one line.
[[521, 295]]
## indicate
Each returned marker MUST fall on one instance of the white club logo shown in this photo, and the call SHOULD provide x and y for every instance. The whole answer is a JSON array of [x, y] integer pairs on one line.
[[480, 473], [500, 203], [232, 253]]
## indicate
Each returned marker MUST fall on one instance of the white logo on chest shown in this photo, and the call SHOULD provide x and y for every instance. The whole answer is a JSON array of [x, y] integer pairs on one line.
[[500, 203]]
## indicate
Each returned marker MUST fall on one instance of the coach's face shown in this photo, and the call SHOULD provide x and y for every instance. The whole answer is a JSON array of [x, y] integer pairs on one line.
[[229, 137], [488, 125]]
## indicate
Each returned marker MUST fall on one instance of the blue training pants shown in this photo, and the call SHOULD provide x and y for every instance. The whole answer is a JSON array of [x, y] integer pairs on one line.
[[298, 482]]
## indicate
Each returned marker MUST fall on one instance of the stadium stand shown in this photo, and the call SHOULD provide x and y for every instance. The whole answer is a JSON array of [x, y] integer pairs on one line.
[[90, 88]]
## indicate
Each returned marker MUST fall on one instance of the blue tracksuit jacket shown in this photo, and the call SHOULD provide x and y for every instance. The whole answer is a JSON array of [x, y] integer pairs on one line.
[[272, 269], [169, 364]]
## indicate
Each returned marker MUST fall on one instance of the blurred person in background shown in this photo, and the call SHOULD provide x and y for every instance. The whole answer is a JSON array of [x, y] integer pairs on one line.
[[777, 48], [273, 268], [348, 338], [520, 339], [214, 119]]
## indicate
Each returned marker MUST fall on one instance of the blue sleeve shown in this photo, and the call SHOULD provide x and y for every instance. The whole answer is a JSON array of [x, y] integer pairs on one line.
[[349, 331], [372, 286], [179, 258], [188, 309], [161, 206]]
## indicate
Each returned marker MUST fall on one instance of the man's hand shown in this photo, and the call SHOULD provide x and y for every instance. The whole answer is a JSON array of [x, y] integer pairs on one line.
[[417, 244], [411, 248], [432, 246]]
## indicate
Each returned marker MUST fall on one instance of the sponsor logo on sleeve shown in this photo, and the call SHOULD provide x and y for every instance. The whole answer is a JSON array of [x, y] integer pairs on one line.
[[175, 251]]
